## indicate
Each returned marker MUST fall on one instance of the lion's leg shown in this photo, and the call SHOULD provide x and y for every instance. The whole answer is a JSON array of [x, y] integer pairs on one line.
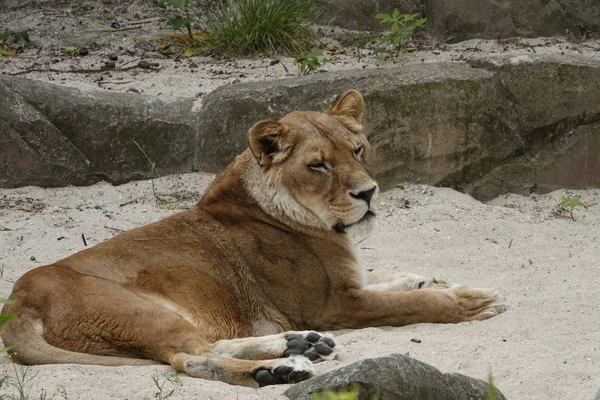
[[245, 372], [355, 308], [316, 346], [402, 282]]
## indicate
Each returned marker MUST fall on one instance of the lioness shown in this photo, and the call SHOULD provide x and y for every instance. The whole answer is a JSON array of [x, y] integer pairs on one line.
[[220, 291]]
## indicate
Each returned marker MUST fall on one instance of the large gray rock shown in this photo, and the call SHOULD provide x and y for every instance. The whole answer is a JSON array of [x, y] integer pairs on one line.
[[456, 20], [56, 136], [360, 14], [395, 377], [555, 112], [501, 124]]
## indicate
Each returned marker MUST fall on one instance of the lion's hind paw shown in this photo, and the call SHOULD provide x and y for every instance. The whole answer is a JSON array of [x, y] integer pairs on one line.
[[294, 369]]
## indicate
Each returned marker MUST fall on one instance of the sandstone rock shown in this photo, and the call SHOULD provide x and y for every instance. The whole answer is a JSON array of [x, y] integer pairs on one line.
[[395, 377], [521, 124], [360, 14], [555, 110], [456, 20], [56, 136]]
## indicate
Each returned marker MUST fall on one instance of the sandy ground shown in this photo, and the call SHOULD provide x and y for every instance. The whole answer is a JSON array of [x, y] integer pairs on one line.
[[548, 266]]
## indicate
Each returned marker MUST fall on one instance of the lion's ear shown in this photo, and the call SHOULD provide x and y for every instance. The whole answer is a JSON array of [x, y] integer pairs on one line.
[[270, 142], [349, 104]]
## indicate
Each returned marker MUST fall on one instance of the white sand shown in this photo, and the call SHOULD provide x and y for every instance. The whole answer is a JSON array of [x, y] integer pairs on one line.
[[548, 266]]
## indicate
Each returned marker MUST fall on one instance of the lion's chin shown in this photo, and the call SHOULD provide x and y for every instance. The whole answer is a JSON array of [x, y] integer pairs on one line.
[[359, 229]]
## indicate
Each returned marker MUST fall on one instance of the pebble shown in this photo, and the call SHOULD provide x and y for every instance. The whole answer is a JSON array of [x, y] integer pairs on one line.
[[113, 57], [84, 52], [109, 65], [415, 340]]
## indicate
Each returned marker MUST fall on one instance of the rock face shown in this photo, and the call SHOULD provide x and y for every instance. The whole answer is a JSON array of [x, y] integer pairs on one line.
[[517, 124], [57, 136], [456, 20], [395, 377], [360, 14]]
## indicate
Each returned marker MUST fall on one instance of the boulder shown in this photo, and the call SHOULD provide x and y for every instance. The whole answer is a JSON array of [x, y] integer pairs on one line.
[[360, 14], [555, 110], [497, 124], [395, 377], [56, 136], [457, 20]]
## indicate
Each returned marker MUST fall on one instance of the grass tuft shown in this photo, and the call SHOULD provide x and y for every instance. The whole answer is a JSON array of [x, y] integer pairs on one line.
[[261, 27]]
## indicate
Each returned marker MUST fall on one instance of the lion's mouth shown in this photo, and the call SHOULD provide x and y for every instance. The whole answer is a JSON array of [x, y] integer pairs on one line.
[[340, 227]]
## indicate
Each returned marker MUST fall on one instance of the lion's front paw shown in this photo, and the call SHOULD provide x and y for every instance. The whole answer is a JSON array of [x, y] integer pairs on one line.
[[477, 304], [316, 346], [291, 370]]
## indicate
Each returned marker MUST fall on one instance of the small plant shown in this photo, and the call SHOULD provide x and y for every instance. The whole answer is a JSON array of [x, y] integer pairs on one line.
[[311, 62], [402, 27], [161, 202], [23, 376], [570, 204], [172, 380], [181, 15], [9, 39], [261, 27], [362, 40], [69, 51]]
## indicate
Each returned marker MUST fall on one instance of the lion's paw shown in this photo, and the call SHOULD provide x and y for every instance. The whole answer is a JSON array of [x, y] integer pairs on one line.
[[294, 369], [316, 346], [478, 304]]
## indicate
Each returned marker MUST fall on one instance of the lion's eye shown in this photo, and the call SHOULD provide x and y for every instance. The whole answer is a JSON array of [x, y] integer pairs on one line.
[[318, 165], [358, 152]]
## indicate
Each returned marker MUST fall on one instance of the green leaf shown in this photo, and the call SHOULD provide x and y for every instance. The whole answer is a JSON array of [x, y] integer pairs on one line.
[[176, 3], [396, 13], [69, 51], [395, 27], [5, 318], [179, 22], [7, 53], [384, 18]]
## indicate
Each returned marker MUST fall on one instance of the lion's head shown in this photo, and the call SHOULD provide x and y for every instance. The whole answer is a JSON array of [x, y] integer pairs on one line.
[[313, 168]]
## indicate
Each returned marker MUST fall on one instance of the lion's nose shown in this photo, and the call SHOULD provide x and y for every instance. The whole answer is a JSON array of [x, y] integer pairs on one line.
[[365, 195]]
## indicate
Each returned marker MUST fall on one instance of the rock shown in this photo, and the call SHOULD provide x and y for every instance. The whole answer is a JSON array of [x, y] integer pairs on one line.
[[478, 127], [595, 396], [57, 136], [395, 377], [457, 20], [560, 136], [360, 14], [9, 4]]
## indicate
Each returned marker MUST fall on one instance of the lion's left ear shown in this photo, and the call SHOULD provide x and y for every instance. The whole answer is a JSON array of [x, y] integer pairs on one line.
[[349, 104]]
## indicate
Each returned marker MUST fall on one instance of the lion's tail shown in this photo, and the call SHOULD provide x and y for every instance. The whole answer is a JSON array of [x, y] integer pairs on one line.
[[23, 335]]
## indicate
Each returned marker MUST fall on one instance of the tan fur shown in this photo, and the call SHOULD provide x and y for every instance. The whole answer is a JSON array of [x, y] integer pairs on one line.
[[267, 250]]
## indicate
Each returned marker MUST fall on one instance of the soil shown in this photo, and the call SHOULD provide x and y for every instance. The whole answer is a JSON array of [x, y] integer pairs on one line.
[[547, 265]]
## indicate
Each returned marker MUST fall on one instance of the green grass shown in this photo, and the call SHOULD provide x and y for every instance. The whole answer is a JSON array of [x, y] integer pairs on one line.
[[261, 27]]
